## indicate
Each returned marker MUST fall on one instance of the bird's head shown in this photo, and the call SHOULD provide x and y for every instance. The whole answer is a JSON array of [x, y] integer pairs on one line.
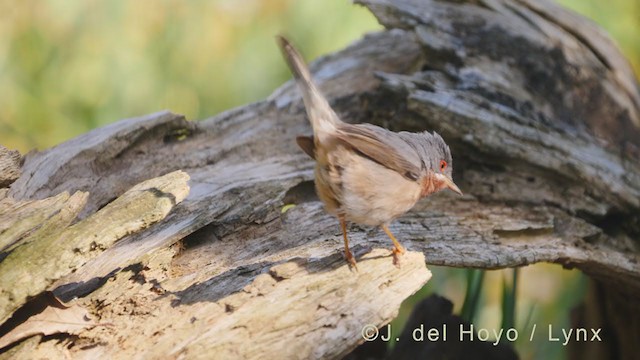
[[437, 164]]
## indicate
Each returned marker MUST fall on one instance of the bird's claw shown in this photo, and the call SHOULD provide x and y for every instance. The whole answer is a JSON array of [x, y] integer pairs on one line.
[[351, 260], [397, 252]]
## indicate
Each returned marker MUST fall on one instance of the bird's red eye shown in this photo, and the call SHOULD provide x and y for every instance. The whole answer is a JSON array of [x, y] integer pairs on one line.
[[443, 165]]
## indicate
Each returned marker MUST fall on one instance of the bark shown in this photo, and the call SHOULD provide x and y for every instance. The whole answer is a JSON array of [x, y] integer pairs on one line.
[[542, 116], [9, 166]]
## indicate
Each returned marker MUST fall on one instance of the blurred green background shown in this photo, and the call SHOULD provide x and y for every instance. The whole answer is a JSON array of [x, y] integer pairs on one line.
[[69, 66]]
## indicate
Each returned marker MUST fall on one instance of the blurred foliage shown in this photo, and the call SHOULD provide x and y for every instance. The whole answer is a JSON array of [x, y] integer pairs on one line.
[[620, 18], [509, 300], [475, 279], [69, 66], [545, 295]]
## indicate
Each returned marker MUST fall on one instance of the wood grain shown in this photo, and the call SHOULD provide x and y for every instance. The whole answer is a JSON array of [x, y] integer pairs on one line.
[[540, 111]]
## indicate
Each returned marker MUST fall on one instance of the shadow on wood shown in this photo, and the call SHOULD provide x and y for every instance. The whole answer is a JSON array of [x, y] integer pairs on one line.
[[542, 115]]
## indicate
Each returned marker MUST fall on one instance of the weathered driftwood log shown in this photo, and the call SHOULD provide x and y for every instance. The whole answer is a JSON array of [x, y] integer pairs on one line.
[[54, 249], [542, 115], [9, 166]]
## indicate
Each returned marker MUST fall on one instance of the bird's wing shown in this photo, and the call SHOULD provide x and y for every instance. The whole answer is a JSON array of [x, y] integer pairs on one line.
[[382, 146], [307, 145]]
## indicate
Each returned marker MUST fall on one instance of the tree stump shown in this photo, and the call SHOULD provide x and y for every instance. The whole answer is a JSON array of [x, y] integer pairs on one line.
[[180, 241]]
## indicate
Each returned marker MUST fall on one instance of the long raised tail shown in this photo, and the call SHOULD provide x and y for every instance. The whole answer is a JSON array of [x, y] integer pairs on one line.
[[323, 118]]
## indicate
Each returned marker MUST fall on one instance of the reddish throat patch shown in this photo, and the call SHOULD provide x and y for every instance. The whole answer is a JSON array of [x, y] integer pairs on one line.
[[432, 183]]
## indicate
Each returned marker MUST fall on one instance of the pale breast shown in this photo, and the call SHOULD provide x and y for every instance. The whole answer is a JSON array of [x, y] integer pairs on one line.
[[369, 193]]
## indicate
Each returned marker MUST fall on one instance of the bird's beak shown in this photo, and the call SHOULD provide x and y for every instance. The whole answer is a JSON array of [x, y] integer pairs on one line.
[[450, 184]]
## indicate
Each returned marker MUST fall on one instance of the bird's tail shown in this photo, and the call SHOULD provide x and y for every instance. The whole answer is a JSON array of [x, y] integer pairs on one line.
[[323, 118]]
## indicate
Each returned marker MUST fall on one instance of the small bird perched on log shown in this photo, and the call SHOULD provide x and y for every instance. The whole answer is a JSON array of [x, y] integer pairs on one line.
[[364, 173]]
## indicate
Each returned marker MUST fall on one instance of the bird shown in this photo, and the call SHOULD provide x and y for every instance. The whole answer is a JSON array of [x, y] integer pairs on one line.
[[366, 174]]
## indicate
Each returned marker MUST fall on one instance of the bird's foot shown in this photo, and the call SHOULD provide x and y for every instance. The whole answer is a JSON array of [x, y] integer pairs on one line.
[[397, 252], [351, 260]]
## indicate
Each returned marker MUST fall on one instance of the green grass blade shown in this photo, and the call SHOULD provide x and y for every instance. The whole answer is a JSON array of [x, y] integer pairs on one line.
[[509, 300], [475, 279]]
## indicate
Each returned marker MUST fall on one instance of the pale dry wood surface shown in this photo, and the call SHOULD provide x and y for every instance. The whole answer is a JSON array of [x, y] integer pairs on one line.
[[541, 114], [9, 166]]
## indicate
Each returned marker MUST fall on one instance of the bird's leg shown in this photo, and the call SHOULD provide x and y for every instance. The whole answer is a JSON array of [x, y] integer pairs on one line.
[[347, 253], [397, 248]]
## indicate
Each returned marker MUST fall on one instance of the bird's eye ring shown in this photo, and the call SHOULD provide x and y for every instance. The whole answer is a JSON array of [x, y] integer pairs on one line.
[[443, 165]]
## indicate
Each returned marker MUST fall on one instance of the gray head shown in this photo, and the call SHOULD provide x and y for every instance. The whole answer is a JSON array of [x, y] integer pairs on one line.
[[435, 161]]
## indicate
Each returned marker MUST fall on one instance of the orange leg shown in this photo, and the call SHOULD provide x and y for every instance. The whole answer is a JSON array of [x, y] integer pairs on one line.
[[397, 248], [347, 253]]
